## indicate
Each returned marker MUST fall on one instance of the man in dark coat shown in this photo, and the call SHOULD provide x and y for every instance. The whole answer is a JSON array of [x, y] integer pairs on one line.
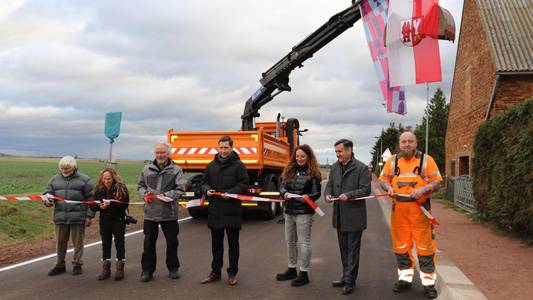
[[226, 174], [349, 179]]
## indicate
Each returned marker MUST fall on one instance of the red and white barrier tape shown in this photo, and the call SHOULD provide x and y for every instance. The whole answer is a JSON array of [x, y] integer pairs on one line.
[[363, 198], [309, 202]]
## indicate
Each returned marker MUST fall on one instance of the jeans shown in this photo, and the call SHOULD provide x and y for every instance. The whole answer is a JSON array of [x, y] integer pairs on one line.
[[76, 233], [113, 229], [217, 247], [298, 236], [151, 231]]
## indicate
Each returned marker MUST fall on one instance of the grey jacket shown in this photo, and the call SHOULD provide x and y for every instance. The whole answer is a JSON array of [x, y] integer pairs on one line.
[[354, 182], [168, 182], [77, 187]]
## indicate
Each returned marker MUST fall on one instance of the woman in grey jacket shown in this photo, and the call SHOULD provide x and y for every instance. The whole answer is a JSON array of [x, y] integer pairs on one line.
[[302, 177]]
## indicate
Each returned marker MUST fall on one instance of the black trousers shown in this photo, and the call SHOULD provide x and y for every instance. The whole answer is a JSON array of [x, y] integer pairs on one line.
[[151, 231], [350, 246], [217, 247], [110, 229]]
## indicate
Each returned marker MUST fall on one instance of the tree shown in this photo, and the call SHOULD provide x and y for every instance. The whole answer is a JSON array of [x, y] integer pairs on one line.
[[438, 121], [390, 138]]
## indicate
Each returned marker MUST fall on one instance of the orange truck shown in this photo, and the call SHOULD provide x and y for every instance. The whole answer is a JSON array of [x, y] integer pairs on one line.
[[264, 147]]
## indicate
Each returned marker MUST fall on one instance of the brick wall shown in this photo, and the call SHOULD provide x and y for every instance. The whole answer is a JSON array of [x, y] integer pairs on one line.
[[472, 86], [512, 90]]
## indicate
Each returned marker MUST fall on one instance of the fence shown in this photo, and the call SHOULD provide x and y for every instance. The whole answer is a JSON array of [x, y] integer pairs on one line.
[[463, 194]]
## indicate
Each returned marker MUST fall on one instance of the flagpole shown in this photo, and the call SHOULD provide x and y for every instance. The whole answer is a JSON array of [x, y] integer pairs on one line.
[[427, 115]]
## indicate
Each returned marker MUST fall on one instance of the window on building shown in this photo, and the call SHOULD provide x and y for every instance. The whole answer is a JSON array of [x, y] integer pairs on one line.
[[464, 168], [452, 167]]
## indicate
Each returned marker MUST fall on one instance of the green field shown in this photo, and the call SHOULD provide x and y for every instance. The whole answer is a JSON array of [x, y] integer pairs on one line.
[[25, 176]]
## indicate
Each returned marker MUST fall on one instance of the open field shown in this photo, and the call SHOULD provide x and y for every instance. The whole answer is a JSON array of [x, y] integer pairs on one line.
[[22, 221]]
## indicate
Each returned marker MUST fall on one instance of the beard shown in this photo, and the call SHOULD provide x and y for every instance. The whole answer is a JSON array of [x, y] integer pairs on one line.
[[407, 154]]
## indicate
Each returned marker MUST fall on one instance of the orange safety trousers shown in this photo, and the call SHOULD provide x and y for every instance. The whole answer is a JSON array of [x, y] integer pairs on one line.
[[409, 225]]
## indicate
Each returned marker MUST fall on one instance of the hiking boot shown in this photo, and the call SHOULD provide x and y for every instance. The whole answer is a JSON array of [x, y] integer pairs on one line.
[[287, 275], [430, 291], [76, 270], [146, 276], [106, 270], [119, 274], [56, 271], [173, 274], [302, 279], [232, 280], [212, 277], [402, 285]]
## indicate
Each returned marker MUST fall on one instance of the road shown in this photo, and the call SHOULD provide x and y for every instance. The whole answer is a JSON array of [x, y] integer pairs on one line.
[[263, 254]]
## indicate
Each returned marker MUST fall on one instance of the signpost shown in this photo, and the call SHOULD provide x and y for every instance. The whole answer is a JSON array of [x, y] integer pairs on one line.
[[112, 130]]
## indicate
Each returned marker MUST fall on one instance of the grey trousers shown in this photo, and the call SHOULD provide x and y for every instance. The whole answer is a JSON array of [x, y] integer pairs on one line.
[[298, 236], [77, 234], [350, 246]]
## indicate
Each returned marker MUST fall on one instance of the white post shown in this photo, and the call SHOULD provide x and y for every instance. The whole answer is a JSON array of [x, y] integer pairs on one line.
[[427, 117]]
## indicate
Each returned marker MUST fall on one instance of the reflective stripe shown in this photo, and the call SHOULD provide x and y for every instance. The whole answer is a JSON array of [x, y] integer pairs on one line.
[[407, 174], [406, 275], [428, 278], [402, 184], [402, 247], [424, 165]]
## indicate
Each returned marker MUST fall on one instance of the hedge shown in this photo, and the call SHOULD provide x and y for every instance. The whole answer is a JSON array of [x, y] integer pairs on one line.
[[503, 172]]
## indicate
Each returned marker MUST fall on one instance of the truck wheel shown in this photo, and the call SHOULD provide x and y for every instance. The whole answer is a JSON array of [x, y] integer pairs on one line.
[[271, 209]]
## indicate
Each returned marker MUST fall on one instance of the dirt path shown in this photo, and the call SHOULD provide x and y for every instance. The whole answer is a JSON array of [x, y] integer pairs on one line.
[[501, 267]]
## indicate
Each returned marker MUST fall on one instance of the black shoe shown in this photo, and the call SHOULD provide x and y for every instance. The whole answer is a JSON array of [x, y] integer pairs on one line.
[[76, 270], [347, 289], [430, 291], [402, 285], [56, 271], [302, 279], [281, 221], [287, 275], [173, 274], [339, 283], [146, 276]]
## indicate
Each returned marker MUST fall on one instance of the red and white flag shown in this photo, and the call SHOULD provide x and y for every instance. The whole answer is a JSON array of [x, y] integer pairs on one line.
[[412, 42]]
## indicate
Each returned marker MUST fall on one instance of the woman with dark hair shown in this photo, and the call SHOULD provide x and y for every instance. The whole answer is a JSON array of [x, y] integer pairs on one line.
[[302, 177], [112, 219]]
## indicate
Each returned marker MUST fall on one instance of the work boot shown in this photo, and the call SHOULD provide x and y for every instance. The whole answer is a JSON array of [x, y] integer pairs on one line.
[[402, 285], [119, 274], [56, 271], [287, 275], [212, 277], [302, 279], [106, 270], [146, 276], [430, 291], [76, 270]]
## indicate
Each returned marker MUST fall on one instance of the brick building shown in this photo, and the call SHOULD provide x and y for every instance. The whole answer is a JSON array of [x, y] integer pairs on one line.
[[493, 71]]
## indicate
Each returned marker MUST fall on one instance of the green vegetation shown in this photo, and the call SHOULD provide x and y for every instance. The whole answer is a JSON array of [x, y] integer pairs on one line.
[[503, 178], [23, 176]]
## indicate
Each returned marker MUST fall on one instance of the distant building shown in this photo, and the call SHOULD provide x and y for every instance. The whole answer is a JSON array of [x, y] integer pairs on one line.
[[493, 72]]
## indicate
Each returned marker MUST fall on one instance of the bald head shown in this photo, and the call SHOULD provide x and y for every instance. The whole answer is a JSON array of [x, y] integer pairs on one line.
[[408, 144]]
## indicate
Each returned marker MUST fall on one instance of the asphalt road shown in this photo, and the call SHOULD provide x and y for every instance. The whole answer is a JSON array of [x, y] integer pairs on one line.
[[262, 255]]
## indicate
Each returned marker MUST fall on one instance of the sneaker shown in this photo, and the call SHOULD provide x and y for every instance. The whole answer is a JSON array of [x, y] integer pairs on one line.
[[289, 274], [430, 291], [76, 270], [173, 274], [402, 285], [146, 276], [302, 279], [56, 271]]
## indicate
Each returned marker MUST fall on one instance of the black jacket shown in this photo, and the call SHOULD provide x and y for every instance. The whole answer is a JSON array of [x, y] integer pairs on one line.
[[225, 175], [300, 184], [115, 211]]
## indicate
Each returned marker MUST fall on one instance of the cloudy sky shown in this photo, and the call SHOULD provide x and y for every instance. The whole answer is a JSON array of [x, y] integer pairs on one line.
[[187, 65]]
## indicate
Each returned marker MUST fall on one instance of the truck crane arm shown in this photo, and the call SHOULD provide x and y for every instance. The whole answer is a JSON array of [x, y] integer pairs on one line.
[[276, 79]]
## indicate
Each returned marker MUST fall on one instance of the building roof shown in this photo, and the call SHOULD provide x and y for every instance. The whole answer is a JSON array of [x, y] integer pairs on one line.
[[509, 28]]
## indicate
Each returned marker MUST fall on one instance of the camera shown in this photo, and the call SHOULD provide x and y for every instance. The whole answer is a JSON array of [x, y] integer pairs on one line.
[[130, 220]]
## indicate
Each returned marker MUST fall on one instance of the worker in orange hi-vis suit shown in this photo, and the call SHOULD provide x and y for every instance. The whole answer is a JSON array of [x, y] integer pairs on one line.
[[409, 178]]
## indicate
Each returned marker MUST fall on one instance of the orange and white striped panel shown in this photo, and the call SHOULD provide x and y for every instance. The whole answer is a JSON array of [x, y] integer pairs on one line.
[[211, 150]]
